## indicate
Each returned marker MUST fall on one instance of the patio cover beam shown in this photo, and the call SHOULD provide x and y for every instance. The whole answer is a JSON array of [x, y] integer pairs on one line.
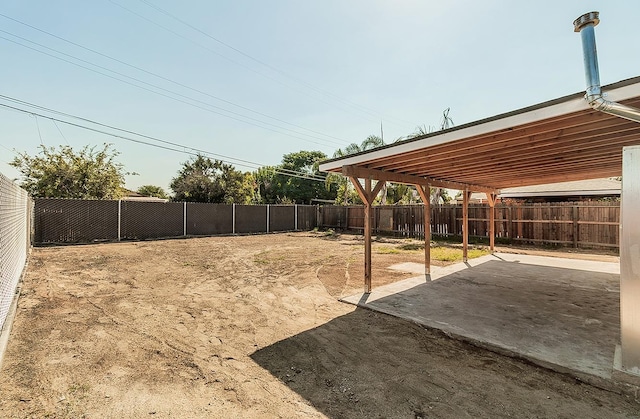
[[366, 173]]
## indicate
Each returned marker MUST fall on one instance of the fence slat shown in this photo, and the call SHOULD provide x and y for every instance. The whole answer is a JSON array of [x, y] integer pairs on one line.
[[576, 224]]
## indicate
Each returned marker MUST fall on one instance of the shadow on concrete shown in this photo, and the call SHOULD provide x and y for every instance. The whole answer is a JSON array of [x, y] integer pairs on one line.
[[561, 316]]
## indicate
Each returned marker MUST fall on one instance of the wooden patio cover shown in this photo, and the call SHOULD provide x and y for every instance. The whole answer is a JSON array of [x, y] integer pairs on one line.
[[556, 141]]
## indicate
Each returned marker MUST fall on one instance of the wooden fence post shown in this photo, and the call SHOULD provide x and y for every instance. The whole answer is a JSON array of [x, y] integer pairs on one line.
[[519, 222], [509, 223], [346, 219], [575, 226]]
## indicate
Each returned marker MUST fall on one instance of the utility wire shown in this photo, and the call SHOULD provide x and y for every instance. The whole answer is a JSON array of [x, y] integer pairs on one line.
[[38, 127], [163, 89], [11, 151], [163, 78], [170, 143], [65, 138], [7, 148], [194, 152], [277, 70], [166, 145], [368, 115]]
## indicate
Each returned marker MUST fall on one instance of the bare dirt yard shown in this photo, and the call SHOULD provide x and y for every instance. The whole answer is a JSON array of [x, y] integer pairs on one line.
[[251, 327]]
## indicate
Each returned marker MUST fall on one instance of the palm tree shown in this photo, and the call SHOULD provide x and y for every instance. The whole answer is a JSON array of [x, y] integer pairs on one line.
[[447, 122], [422, 130], [374, 141], [371, 142]]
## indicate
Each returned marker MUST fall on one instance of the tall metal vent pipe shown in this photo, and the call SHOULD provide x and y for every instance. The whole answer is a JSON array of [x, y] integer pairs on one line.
[[586, 24]]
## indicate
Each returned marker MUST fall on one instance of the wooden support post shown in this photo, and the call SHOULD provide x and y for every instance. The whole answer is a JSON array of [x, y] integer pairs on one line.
[[367, 243], [367, 195], [491, 198], [465, 224], [425, 195]]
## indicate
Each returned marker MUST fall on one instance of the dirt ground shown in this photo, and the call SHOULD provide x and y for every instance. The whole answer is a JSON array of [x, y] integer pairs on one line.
[[250, 327]]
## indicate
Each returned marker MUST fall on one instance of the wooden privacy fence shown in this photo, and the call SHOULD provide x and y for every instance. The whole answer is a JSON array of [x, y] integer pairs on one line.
[[577, 224]]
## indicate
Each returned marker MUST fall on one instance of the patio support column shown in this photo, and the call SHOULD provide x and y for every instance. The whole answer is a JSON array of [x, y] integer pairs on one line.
[[425, 195], [491, 198], [465, 223], [630, 261], [367, 239], [367, 195]]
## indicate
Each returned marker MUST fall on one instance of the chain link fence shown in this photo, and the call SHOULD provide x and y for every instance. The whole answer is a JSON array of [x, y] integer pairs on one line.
[[87, 221], [16, 210]]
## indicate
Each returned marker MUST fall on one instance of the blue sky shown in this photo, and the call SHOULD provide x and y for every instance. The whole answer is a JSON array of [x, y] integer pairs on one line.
[[302, 75]]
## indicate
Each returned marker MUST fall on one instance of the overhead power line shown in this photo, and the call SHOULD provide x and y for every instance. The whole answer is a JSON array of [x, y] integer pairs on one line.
[[362, 108], [164, 144], [161, 77], [369, 115], [188, 98]]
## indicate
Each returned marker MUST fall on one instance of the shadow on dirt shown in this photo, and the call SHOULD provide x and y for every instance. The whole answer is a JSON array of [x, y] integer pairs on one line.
[[366, 364], [369, 364]]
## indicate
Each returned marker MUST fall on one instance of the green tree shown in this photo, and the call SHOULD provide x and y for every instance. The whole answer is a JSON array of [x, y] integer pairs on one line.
[[438, 195], [204, 180], [65, 173], [370, 142], [266, 187], [399, 193], [296, 180], [152, 190], [346, 194], [391, 193]]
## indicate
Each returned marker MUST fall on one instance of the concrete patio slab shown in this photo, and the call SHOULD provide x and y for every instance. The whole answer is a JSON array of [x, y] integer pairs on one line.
[[560, 313]]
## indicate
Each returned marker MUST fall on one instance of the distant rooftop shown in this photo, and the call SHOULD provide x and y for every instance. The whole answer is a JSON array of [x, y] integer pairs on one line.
[[592, 187], [579, 188]]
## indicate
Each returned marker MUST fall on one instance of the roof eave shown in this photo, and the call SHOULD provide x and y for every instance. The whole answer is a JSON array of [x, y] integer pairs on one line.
[[569, 104]]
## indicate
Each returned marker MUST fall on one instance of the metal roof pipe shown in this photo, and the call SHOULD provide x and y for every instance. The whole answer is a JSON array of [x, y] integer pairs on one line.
[[586, 24]]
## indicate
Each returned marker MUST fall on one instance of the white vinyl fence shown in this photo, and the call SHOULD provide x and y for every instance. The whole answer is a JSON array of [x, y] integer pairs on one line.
[[16, 209]]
